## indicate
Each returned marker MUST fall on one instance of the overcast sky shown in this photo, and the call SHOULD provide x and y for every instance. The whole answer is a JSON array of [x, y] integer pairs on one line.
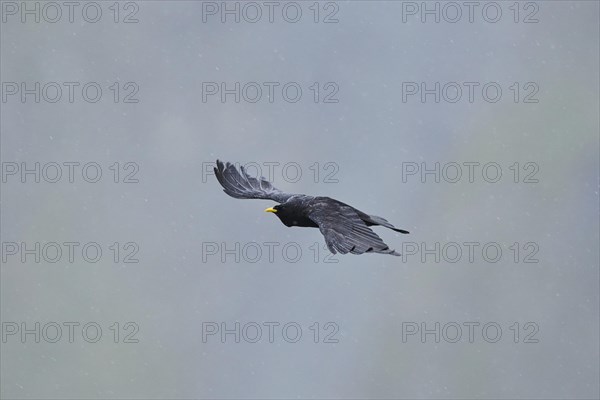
[[475, 127]]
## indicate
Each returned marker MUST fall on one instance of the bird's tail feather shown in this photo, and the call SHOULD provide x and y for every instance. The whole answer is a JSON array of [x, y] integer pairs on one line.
[[375, 220]]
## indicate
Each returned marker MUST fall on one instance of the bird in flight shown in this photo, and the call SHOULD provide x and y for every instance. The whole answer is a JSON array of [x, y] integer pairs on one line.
[[346, 229]]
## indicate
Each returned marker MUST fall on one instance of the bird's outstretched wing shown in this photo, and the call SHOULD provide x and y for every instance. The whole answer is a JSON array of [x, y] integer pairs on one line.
[[240, 185], [344, 231]]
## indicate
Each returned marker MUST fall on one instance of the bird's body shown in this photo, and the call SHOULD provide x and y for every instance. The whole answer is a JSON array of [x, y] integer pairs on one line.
[[345, 228]]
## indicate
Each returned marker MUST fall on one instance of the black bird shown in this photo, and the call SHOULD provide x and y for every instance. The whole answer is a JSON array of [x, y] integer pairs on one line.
[[345, 228]]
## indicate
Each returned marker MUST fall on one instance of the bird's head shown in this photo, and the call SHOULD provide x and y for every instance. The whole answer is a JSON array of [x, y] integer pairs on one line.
[[292, 213], [285, 213], [275, 209]]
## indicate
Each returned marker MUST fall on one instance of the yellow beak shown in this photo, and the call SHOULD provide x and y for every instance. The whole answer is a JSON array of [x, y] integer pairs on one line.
[[271, 209]]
